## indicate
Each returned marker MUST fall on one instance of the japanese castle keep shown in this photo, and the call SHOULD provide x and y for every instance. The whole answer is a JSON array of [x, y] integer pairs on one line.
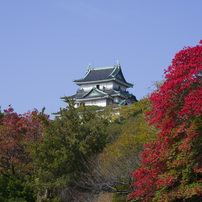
[[103, 86]]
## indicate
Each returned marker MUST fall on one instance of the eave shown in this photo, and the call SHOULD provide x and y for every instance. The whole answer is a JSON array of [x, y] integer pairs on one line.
[[95, 98], [103, 81]]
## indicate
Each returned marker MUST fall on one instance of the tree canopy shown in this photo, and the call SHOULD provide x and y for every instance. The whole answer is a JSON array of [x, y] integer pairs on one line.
[[171, 167], [67, 142], [16, 165], [89, 150]]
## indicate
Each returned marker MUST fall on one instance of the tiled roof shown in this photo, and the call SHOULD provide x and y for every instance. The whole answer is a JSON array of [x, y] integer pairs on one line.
[[95, 92], [102, 74], [97, 74]]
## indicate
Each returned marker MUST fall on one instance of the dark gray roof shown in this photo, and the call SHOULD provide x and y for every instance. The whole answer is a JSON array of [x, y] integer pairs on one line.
[[95, 92], [102, 74]]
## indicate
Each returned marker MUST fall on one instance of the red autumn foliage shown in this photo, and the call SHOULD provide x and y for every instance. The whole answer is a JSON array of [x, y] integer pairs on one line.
[[15, 131], [172, 166]]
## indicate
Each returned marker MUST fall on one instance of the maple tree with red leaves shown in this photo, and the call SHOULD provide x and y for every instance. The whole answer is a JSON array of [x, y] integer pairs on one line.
[[15, 131], [172, 166]]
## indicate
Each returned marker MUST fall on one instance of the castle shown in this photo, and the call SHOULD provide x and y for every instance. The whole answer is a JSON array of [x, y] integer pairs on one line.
[[101, 87]]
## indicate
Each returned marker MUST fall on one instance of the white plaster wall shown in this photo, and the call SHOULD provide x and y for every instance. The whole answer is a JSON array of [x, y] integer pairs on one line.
[[87, 87], [107, 86], [101, 103]]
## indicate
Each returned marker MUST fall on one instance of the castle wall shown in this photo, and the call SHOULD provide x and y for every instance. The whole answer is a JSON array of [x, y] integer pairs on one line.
[[101, 103], [102, 86]]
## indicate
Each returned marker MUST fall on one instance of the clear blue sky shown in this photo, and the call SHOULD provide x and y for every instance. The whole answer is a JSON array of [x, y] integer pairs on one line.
[[46, 44]]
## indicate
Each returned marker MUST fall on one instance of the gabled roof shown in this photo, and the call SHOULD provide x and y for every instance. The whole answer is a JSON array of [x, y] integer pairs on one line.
[[93, 93], [97, 93], [124, 102], [103, 74]]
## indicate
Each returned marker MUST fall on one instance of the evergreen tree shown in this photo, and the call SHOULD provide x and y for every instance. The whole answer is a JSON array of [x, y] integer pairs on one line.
[[65, 146]]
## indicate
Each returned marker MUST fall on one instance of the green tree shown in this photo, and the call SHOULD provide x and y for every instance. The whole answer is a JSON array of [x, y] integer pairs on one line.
[[65, 145], [111, 169], [16, 188]]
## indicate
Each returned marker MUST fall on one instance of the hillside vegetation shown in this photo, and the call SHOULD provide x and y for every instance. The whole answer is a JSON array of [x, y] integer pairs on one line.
[[151, 151]]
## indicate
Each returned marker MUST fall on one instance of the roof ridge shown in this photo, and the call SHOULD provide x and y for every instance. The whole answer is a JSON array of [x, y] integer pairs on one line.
[[87, 93], [97, 89], [101, 68], [94, 88], [88, 71], [115, 67], [122, 102]]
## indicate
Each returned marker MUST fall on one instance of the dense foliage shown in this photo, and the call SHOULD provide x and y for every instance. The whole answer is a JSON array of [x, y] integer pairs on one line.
[[90, 150], [15, 163], [66, 144], [109, 171], [171, 168]]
